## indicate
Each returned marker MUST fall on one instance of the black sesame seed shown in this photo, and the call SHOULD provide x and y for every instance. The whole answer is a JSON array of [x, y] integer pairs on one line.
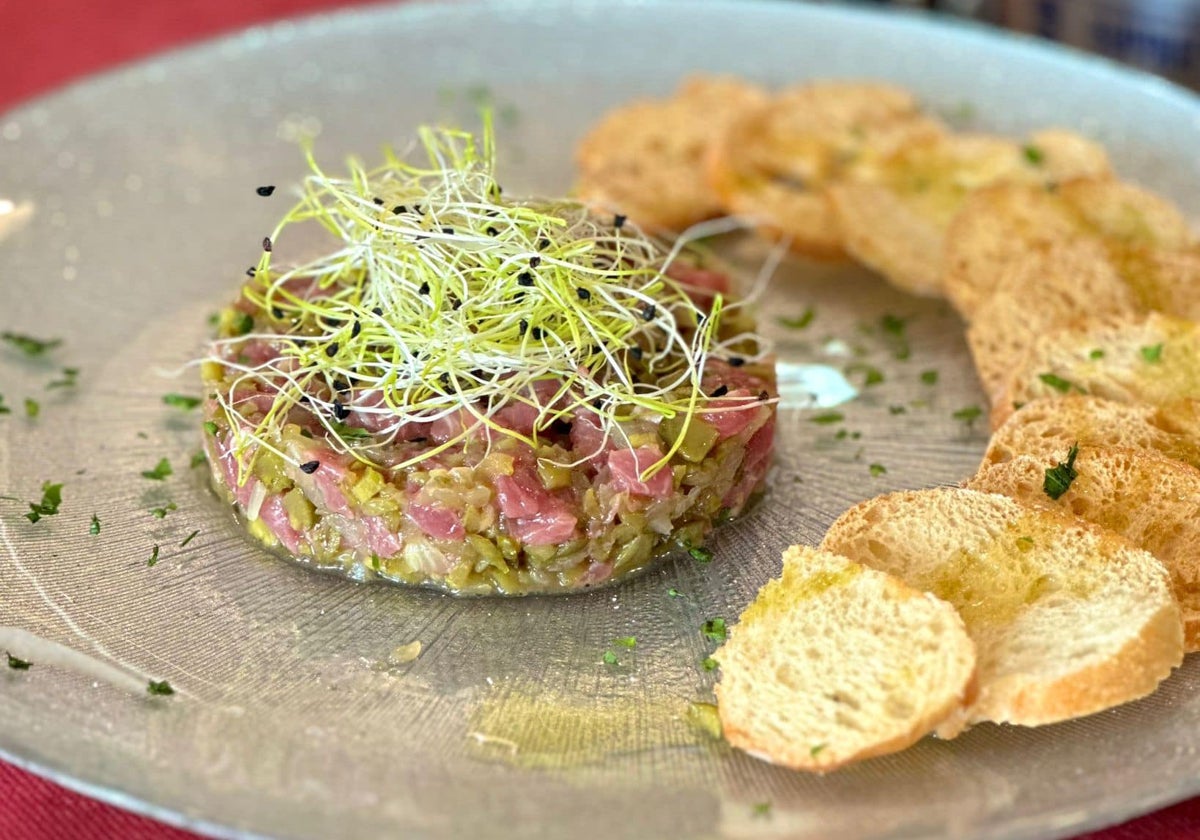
[[455, 303], [266, 243], [535, 261], [266, 191], [356, 329], [378, 201], [304, 400], [310, 467], [449, 231], [543, 244], [340, 411], [649, 311], [251, 271], [523, 326], [736, 361], [583, 294], [764, 396], [491, 231], [536, 332], [276, 313], [421, 237], [399, 208], [525, 279], [424, 290], [331, 350], [417, 209], [618, 221], [720, 391], [636, 353], [377, 311]]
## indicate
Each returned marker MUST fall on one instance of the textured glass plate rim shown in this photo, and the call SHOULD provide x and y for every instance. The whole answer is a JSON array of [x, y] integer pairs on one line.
[[1098, 68]]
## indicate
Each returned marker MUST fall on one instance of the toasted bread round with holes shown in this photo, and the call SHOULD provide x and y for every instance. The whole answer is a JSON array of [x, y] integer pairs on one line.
[[1151, 500], [1155, 360], [1048, 426], [1136, 228], [772, 164], [894, 214], [1067, 618], [645, 159], [1044, 289], [834, 662]]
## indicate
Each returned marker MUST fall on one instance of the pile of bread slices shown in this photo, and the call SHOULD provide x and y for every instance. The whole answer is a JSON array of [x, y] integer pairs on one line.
[[1063, 578]]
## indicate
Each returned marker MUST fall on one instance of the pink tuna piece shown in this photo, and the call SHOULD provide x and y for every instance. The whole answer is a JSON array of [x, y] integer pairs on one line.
[[702, 282], [380, 539], [436, 521], [229, 469], [275, 517], [628, 465], [327, 479], [732, 413], [556, 525], [587, 437], [522, 494], [754, 466]]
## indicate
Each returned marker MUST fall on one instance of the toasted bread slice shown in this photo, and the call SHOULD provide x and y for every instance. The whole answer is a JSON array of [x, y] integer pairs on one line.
[[1067, 618], [1046, 427], [1136, 228], [1041, 290], [834, 662], [772, 164], [645, 159], [1155, 360], [1151, 500], [894, 215]]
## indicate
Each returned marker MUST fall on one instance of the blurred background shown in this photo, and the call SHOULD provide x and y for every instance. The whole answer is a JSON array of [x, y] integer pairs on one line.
[[49, 43]]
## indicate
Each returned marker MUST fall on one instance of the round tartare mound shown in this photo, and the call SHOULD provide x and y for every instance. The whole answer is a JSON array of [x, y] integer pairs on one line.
[[478, 393]]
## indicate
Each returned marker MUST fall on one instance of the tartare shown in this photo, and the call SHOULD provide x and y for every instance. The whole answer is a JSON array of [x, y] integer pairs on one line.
[[479, 393]]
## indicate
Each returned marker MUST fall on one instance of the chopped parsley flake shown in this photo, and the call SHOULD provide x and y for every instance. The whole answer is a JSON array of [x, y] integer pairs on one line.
[[626, 641], [1056, 382], [700, 554], [609, 658], [32, 407], [29, 345], [198, 459], [878, 470], [827, 418], [1153, 353], [94, 527], [3, 408], [48, 506], [1096, 354], [160, 472], [349, 432], [674, 593], [1033, 154], [1024, 543], [842, 434], [70, 378], [968, 414], [161, 512], [871, 374], [799, 322], [929, 377], [181, 401], [761, 809], [159, 688], [714, 629], [190, 537], [1059, 477], [153, 557], [710, 664], [896, 410], [17, 664], [895, 330], [210, 427], [817, 749]]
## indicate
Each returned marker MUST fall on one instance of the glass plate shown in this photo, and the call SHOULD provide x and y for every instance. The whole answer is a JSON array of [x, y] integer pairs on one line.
[[130, 215]]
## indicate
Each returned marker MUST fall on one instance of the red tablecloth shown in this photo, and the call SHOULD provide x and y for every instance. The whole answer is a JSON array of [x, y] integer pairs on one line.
[[48, 43]]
